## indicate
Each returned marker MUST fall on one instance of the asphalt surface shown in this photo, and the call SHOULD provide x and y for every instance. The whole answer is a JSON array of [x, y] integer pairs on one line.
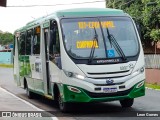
[[150, 103]]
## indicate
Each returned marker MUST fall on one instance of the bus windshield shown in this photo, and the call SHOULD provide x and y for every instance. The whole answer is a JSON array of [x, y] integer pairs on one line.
[[79, 37]]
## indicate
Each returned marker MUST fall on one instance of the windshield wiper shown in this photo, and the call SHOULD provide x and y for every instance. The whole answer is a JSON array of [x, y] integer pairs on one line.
[[95, 40], [114, 42]]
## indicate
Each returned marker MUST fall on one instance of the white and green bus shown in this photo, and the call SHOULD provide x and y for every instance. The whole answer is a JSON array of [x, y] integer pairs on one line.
[[81, 55]]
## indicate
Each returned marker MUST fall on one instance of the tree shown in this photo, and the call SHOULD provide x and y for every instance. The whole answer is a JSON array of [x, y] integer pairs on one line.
[[155, 34], [6, 38], [145, 12]]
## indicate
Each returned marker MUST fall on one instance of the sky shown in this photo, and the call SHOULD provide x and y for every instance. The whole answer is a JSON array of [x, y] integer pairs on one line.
[[12, 18]]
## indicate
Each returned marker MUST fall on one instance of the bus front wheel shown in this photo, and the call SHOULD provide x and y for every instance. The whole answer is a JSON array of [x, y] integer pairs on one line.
[[63, 106], [126, 103]]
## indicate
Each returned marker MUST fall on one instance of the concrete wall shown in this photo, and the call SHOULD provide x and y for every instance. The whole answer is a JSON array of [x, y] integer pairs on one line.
[[5, 58], [153, 76]]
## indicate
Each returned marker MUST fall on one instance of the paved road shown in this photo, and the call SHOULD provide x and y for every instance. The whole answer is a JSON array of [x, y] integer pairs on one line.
[[92, 111]]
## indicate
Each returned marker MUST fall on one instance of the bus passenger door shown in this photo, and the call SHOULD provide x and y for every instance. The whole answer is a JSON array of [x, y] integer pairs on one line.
[[46, 72], [35, 61], [54, 52], [51, 59]]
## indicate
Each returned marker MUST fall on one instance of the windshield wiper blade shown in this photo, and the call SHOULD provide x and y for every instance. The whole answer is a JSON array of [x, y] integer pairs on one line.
[[114, 42], [109, 37], [95, 40]]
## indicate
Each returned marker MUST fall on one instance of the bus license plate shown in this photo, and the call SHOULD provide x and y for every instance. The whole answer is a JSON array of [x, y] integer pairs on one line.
[[109, 90]]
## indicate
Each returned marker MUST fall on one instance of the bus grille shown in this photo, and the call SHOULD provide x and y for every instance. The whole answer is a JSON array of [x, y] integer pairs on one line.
[[108, 73], [109, 84], [100, 95]]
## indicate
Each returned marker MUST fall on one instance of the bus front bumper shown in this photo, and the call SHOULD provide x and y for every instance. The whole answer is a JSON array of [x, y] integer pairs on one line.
[[85, 96]]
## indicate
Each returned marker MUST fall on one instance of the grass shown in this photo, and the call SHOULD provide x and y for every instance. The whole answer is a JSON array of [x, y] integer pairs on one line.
[[154, 86], [6, 65]]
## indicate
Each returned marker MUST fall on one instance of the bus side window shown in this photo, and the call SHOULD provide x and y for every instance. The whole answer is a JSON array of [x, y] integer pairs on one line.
[[28, 42], [21, 44], [36, 41], [54, 44]]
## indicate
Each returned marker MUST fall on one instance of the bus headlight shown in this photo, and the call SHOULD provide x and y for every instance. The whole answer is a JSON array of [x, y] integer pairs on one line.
[[75, 75], [79, 76]]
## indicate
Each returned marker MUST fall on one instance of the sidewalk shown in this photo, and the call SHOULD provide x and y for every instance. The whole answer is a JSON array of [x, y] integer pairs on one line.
[[10, 104]]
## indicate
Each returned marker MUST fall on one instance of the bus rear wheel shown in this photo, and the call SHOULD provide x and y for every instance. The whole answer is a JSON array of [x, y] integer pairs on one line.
[[126, 103], [29, 93]]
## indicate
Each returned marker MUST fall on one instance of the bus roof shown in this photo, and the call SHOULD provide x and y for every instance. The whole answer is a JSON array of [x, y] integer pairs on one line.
[[80, 12], [77, 12]]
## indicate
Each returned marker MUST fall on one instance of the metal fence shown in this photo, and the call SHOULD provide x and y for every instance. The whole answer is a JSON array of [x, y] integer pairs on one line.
[[152, 61]]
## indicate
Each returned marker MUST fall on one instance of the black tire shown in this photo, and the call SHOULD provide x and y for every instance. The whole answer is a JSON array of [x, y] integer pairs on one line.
[[29, 93], [126, 103], [63, 106]]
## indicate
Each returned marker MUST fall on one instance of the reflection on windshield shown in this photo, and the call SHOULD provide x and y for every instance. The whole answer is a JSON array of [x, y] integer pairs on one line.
[[79, 37]]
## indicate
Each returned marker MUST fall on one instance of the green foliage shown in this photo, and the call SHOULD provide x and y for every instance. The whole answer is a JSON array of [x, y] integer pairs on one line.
[[153, 86], [144, 12], [6, 38], [155, 34]]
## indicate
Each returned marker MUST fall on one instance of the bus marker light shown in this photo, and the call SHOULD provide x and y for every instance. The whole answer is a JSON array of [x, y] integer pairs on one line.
[[142, 70], [73, 89], [140, 84]]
